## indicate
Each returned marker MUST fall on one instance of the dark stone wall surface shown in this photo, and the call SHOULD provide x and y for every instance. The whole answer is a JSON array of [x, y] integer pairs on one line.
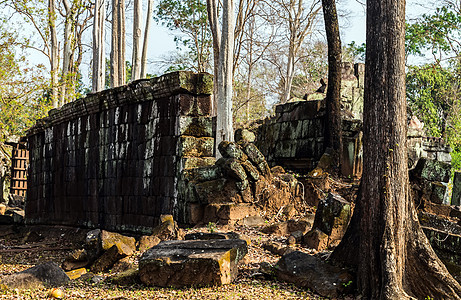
[[112, 160], [294, 137]]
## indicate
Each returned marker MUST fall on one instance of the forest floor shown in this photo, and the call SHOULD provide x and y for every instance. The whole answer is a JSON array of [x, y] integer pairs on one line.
[[24, 247]]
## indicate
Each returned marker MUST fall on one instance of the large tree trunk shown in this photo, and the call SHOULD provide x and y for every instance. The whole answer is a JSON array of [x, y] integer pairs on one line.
[[333, 136], [150, 8], [137, 34], [53, 52], [394, 259], [99, 60], [224, 126]]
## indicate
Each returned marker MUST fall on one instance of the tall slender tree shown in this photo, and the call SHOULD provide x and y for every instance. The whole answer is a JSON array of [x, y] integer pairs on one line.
[[150, 8], [99, 58], [53, 49], [137, 36], [384, 241], [117, 53], [223, 48], [333, 137]]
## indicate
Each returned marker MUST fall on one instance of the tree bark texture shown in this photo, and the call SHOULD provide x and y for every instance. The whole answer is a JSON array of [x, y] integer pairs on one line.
[[137, 35], [121, 43], [114, 82], [333, 136], [53, 52], [99, 60], [150, 8], [224, 126], [394, 258], [117, 54], [212, 11]]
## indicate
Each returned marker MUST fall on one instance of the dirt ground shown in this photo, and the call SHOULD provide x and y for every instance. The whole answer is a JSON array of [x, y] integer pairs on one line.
[[24, 247]]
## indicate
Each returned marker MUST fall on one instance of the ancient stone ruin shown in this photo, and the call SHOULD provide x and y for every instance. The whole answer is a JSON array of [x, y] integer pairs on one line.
[[112, 160]]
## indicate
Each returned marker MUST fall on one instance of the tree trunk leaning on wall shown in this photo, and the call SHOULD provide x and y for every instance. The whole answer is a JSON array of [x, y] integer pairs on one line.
[[384, 241], [333, 137]]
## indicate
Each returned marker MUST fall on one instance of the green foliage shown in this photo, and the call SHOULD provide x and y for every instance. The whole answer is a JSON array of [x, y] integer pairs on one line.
[[24, 95], [190, 18], [430, 95], [353, 52], [436, 33], [456, 160]]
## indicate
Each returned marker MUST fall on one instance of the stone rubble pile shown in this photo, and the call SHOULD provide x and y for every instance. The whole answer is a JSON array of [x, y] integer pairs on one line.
[[240, 184]]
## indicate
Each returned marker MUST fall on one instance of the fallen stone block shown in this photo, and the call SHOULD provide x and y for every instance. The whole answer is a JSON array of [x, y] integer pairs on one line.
[[44, 275], [122, 265], [306, 271], [252, 221], [77, 273], [276, 248], [212, 236], [110, 257], [191, 263], [316, 239], [147, 241], [75, 260], [125, 278], [331, 218], [109, 239]]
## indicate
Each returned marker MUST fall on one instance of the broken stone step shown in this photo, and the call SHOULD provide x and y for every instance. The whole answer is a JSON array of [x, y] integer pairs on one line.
[[192, 262]]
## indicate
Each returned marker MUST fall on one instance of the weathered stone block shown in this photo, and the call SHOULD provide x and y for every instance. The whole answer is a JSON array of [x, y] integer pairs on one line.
[[332, 217], [232, 150], [192, 146], [316, 239], [110, 257], [191, 263], [236, 211], [204, 174], [43, 275], [197, 162], [244, 136], [432, 170], [310, 272], [439, 191], [109, 239], [195, 126]]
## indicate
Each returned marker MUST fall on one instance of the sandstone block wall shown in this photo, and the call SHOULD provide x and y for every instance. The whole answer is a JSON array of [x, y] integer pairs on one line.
[[294, 138], [111, 160]]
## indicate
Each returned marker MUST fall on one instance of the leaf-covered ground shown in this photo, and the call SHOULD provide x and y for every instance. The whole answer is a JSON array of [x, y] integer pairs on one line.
[[21, 248]]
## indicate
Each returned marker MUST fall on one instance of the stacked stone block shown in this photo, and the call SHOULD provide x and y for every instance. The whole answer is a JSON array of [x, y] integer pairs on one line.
[[111, 160], [294, 138]]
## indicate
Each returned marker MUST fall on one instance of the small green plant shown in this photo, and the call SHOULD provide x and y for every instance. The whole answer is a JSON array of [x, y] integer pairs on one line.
[[347, 284], [428, 298], [211, 227]]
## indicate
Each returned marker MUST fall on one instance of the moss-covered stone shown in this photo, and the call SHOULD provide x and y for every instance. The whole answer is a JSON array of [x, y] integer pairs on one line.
[[231, 150], [251, 170], [193, 146]]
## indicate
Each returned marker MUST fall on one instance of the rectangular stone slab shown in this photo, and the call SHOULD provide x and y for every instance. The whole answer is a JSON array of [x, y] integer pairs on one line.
[[192, 263]]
